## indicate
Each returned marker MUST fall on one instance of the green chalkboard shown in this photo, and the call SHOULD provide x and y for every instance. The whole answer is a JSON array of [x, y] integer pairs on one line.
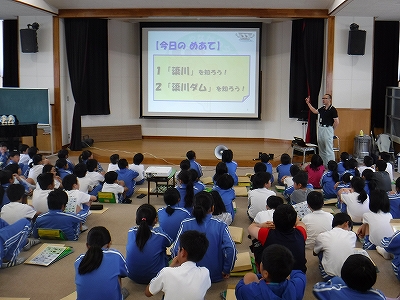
[[29, 105]]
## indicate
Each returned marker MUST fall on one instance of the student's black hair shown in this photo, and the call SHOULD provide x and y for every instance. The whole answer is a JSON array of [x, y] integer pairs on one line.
[[91, 164], [225, 181], [352, 164], [358, 272], [286, 159], [80, 170], [47, 168], [260, 179], [379, 201], [5, 176], [227, 156], [36, 159], [84, 156], [13, 168], [186, 179], [68, 181], [123, 163], [191, 155], [63, 153], [194, 176], [195, 243], [368, 175], [61, 163], [3, 144], [185, 164], [97, 237], [274, 201], [32, 151], [385, 156], [259, 167], [332, 166], [110, 177], [13, 153], [398, 183], [171, 197], [23, 147], [45, 179], [264, 157], [316, 162], [381, 165], [358, 184], [15, 192], [114, 158], [346, 177], [278, 261], [294, 169], [340, 219], [315, 200], [301, 178], [56, 199], [138, 158], [220, 169], [344, 156], [203, 202], [145, 216], [219, 206], [284, 217], [368, 161]]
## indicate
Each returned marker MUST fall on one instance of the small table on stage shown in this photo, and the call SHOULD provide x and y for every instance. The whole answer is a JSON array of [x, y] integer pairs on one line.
[[304, 150], [162, 183], [19, 130]]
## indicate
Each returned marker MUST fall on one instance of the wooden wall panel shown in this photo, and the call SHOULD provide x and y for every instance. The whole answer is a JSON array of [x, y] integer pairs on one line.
[[113, 133]]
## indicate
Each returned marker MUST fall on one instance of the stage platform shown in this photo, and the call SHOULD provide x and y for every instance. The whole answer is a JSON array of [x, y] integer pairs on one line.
[[172, 150]]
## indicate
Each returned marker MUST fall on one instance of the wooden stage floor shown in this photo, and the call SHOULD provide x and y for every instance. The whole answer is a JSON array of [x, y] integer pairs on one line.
[[172, 150]]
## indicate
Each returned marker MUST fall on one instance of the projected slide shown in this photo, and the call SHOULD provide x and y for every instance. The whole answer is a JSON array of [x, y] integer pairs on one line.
[[200, 72]]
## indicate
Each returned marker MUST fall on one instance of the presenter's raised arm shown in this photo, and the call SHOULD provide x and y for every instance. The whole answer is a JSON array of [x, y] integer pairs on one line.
[[313, 110]]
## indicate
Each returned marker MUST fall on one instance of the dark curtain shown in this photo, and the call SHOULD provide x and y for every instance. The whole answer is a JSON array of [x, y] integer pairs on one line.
[[385, 67], [87, 54], [10, 53], [306, 64]]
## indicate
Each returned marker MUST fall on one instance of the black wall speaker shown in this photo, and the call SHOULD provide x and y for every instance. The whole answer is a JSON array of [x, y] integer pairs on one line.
[[28, 40], [356, 44]]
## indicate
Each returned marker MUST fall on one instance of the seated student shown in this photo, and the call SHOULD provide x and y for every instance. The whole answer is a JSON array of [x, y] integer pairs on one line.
[[86, 184], [18, 178], [12, 240], [220, 169], [358, 275], [138, 167], [113, 165], [183, 279], [49, 168], [224, 187], [111, 184], [219, 211], [127, 176], [344, 181], [344, 157], [265, 160], [390, 249], [76, 198], [146, 246], [367, 175], [100, 266], [351, 166], [171, 216], [184, 165], [385, 156], [56, 218], [64, 153], [227, 158], [62, 167], [283, 168], [96, 177], [334, 246], [329, 179], [17, 208], [301, 188], [198, 186], [258, 195], [315, 170], [267, 215], [381, 178], [258, 167], [23, 154], [39, 197], [221, 253], [376, 223], [318, 221], [185, 189], [13, 157], [87, 154], [191, 156], [3, 154], [277, 279], [289, 231], [394, 200], [288, 181], [368, 164], [35, 168]]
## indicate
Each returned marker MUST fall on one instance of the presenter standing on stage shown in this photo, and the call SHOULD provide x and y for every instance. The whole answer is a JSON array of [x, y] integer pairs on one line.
[[328, 121]]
